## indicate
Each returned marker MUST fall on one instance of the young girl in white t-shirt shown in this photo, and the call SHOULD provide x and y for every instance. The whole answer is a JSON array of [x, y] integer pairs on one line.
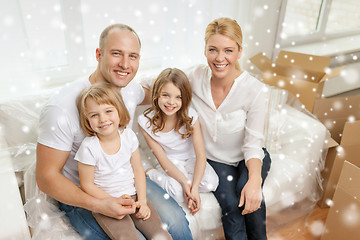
[[110, 165], [172, 130]]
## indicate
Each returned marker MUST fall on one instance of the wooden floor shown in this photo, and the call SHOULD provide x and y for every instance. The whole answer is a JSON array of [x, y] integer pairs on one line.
[[305, 228]]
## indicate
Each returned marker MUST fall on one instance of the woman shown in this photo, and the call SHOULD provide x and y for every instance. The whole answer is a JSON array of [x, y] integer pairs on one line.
[[231, 106]]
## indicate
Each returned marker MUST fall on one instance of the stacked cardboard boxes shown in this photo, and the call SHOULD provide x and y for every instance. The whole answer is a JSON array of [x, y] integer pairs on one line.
[[304, 76], [343, 219]]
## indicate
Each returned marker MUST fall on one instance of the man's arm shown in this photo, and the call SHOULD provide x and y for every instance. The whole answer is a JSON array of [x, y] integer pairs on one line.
[[147, 98], [49, 177]]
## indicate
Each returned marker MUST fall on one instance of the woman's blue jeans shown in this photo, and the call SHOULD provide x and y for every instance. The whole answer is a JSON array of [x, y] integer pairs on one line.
[[169, 211], [237, 226]]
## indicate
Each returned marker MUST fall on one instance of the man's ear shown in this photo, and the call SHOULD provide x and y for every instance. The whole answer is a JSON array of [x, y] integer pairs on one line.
[[98, 54]]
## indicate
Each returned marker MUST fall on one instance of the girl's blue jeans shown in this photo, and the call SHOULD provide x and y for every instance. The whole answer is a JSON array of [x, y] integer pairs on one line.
[[169, 211], [237, 226]]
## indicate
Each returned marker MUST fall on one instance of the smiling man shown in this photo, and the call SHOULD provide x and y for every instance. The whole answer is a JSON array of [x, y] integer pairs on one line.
[[60, 136]]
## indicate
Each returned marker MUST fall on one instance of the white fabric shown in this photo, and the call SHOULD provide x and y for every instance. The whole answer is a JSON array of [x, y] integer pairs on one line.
[[59, 126], [208, 183], [175, 147], [112, 173]]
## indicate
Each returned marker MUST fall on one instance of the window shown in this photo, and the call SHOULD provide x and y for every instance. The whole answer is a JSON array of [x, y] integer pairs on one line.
[[306, 21], [46, 43]]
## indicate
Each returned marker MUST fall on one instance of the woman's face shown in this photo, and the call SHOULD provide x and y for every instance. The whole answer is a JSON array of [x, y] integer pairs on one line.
[[222, 54]]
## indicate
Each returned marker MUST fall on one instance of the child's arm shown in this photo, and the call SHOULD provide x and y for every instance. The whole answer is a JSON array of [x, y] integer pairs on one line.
[[140, 185], [86, 174], [166, 164], [200, 165]]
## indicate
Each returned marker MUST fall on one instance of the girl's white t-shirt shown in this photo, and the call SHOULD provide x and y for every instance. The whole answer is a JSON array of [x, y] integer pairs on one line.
[[113, 173], [175, 147]]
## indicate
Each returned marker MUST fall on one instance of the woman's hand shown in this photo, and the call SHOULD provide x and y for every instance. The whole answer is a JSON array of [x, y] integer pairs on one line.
[[251, 195], [144, 210]]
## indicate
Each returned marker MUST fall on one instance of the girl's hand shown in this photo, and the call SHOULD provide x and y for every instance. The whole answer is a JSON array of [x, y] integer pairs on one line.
[[251, 195], [195, 202], [144, 210], [186, 186]]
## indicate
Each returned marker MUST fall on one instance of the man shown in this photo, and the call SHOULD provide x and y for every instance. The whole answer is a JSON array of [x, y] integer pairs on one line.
[[60, 136]]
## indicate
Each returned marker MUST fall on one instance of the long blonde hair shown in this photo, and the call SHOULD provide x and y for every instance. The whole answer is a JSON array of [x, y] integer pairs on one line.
[[227, 27], [180, 80], [101, 93]]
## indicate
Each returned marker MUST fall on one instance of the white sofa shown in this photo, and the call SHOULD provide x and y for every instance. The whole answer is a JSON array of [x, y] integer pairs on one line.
[[294, 139]]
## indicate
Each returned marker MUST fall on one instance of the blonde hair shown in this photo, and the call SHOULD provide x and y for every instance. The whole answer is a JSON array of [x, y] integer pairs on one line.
[[227, 27], [101, 93], [180, 80], [105, 33]]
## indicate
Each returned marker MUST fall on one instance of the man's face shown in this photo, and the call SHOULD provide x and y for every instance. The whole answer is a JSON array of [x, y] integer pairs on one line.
[[119, 60]]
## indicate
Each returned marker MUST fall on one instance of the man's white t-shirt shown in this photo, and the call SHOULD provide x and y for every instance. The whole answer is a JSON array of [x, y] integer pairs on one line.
[[112, 173], [59, 126]]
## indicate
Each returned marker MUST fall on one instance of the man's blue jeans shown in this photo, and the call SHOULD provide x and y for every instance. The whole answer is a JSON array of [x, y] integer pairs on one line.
[[237, 226], [169, 211]]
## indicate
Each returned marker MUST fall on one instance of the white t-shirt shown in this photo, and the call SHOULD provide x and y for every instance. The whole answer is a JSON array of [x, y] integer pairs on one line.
[[59, 126], [113, 173], [233, 131], [175, 147]]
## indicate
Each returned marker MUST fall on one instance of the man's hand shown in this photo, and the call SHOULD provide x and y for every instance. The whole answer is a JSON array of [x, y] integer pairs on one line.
[[117, 207]]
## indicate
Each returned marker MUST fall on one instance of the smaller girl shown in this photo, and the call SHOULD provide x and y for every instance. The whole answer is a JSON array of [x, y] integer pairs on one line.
[[110, 165], [172, 130]]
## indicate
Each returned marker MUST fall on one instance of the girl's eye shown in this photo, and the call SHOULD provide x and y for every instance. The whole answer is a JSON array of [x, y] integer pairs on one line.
[[212, 50], [178, 97], [165, 95], [108, 111], [228, 51], [93, 115]]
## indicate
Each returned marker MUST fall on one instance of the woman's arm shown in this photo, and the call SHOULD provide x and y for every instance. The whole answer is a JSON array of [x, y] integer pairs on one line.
[[251, 194], [86, 174], [165, 163]]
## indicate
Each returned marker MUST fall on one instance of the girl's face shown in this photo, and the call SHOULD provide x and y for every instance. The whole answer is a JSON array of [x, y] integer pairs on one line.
[[222, 54], [170, 99], [103, 118]]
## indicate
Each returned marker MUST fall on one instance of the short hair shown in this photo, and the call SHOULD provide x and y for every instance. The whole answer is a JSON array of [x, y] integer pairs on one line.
[[101, 93], [105, 33], [227, 27], [181, 81]]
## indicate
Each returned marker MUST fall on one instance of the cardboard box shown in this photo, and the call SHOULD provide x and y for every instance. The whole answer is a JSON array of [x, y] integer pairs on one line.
[[349, 150], [343, 219], [301, 74], [335, 112]]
